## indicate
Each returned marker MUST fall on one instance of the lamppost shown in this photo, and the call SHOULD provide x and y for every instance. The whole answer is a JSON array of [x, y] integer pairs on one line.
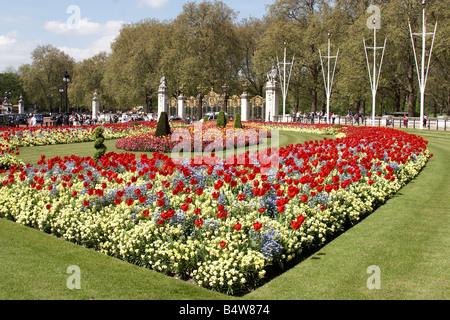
[[66, 80], [200, 103], [225, 89], [61, 91]]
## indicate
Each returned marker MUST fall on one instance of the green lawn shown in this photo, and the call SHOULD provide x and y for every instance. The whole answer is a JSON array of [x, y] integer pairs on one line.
[[407, 238]]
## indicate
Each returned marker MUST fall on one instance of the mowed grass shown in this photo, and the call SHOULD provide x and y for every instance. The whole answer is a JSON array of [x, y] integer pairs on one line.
[[407, 238]]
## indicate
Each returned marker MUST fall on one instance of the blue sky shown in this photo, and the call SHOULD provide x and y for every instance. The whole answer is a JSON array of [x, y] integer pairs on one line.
[[84, 28]]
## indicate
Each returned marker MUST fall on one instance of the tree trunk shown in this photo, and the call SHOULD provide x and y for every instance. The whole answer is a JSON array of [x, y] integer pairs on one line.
[[448, 102], [314, 99], [411, 93], [397, 99]]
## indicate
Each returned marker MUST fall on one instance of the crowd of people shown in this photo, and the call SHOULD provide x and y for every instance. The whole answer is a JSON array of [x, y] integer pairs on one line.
[[313, 117]]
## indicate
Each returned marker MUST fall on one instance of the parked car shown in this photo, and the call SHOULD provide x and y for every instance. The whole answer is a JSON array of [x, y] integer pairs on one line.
[[3, 121], [22, 119], [7, 120], [40, 119], [212, 116], [175, 118]]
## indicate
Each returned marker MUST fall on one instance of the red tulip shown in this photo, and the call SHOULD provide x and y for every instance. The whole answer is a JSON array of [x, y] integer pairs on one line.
[[223, 244], [161, 202], [146, 213], [257, 226], [300, 219], [237, 227], [295, 225], [198, 222]]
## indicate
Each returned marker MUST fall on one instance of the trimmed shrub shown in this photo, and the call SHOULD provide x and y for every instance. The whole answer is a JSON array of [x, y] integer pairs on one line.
[[205, 119], [222, 120], [163, 128], [237, 121], [99, 143]]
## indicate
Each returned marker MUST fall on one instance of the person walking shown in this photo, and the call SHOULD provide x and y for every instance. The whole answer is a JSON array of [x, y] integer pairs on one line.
[[33, 121]]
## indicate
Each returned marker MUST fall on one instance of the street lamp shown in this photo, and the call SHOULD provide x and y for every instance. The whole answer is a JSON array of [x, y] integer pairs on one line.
[[66, 80], [200, 102], [225, 89], [61, 91]]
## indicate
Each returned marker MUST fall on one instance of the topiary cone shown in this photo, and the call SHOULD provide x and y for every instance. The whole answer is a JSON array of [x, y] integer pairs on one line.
[[163, 128], [237, 121]]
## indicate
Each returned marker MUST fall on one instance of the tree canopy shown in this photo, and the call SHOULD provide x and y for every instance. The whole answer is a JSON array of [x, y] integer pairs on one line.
[[207, 46]]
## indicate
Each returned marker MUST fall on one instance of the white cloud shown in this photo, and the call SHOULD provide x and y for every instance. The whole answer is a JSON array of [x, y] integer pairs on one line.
[[14, 52], [106, 33], [153, 3], [84, 27], [99, 45], [6, 40]]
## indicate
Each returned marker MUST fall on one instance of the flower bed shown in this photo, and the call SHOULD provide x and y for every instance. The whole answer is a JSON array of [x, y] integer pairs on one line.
[[223, 225], [199, 137], [42, 136], [11, 139]]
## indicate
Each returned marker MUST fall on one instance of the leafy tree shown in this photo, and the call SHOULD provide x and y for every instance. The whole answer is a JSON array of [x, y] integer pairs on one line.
[[44, 76], [132, 72], [11, 83], [88, 78], [207, 36], [251, 32]]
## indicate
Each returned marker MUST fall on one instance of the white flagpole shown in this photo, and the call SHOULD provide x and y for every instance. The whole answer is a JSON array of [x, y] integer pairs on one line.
[[374, 80], [422, 74], [328, 80], [286, 79]]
